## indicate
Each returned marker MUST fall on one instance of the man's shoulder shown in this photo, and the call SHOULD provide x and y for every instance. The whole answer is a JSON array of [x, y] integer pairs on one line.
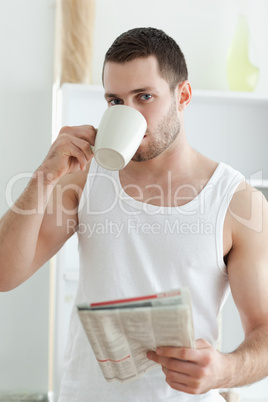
[[248, 209]]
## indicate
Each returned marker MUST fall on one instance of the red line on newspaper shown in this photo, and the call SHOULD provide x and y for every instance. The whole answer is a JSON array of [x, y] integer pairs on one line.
[[134, 299], [122, 301], [114, 361]]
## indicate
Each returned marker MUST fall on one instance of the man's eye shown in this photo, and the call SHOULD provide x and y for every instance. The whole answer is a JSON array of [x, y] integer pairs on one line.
[[146, 97], [115, 102]]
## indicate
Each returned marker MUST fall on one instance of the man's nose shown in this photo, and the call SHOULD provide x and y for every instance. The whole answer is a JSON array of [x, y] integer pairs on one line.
[[131, 103]]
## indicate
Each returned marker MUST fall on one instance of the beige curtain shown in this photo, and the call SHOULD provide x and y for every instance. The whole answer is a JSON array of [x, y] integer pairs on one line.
[[74, 41]]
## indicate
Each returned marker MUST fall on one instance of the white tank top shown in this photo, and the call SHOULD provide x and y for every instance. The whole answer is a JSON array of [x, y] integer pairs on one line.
[[128, 248]]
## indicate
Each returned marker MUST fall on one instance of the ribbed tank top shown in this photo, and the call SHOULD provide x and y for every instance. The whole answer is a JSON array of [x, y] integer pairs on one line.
[[128, 248]]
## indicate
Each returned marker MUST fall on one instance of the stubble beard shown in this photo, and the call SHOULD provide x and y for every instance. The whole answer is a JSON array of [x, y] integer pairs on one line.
[[165, 134]]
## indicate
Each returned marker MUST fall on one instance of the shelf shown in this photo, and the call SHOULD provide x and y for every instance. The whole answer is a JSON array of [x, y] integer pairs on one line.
[[233, 97], [259, 183]]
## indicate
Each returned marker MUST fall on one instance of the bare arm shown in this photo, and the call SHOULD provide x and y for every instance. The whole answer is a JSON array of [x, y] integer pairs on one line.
[[248, 276], [36, 227], [197, 371]]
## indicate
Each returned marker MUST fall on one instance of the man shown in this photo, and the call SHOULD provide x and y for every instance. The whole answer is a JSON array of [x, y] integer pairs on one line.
[[169, 186]]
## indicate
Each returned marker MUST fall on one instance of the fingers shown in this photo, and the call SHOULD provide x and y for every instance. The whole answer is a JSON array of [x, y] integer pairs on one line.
[[189, 370], [70, 152], [77, 155], [175, 364], [182, 381], [201, 344], [84, 132], [80, 139], [181, 353], [84, 149], [184, 376]]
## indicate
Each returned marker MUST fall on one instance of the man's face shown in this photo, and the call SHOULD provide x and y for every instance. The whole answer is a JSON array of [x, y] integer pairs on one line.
[[138, 84]]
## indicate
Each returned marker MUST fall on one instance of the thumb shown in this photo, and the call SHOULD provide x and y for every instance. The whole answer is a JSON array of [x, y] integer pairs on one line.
[[202, 344]]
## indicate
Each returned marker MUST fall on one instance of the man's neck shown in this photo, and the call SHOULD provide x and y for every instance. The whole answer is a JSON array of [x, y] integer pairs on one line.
[[178, 170], [178, 159]]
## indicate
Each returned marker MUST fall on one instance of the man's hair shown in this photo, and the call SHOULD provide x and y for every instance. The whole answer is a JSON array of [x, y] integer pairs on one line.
[[143, 42]]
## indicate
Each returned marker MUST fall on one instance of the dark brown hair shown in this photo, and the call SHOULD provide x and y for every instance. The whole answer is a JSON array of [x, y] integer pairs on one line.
[[144, 42]]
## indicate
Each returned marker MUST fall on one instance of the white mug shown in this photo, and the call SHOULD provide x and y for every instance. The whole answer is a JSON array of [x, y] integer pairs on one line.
[[119, 135]]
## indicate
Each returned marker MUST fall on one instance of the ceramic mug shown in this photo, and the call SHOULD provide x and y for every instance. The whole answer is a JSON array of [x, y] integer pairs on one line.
[[119, 135]]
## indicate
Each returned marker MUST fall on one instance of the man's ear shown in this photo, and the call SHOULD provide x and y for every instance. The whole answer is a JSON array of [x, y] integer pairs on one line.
[[185, 94]]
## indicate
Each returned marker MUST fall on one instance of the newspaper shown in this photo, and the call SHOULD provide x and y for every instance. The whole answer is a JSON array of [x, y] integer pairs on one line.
[[121, 332]]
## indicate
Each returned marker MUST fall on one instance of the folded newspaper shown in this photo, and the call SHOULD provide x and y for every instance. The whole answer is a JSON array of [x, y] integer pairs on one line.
[[121, 332]]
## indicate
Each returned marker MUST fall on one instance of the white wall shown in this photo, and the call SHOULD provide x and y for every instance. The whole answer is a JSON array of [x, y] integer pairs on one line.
[[26, 42], [203, 28]]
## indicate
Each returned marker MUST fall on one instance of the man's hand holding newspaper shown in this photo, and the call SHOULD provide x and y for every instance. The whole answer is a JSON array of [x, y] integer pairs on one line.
[[121, 332]]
